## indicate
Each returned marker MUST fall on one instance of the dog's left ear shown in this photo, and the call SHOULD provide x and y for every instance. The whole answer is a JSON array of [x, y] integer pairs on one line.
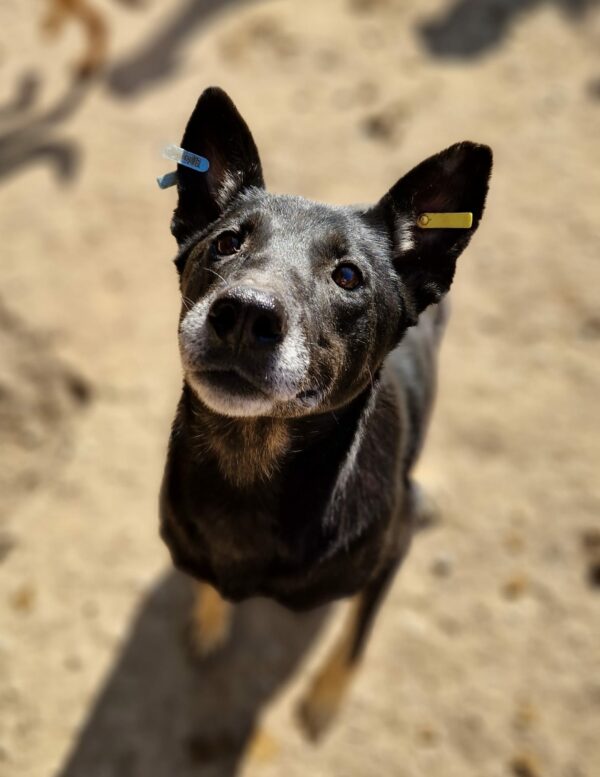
[[217, 132], [455, 180]]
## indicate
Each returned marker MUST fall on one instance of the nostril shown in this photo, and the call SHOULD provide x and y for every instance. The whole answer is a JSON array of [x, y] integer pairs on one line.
[[245, 317], [223, 317], [266, 328]]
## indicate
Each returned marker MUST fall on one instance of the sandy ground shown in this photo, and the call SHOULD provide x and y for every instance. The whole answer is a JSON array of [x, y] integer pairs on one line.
[[486, 658]]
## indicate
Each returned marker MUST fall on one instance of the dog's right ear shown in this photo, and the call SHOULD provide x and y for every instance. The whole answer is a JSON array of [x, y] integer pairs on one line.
[[455, 180], [217, 132]]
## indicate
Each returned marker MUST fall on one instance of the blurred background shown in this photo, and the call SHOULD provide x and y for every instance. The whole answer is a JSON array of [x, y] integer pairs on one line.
[[485, 661]]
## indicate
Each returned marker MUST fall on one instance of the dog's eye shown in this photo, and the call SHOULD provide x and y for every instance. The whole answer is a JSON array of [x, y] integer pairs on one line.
[[347, 276], [228, 243]]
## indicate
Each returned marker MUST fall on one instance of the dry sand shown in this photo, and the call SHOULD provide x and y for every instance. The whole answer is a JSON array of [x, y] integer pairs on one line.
[[486, 658]]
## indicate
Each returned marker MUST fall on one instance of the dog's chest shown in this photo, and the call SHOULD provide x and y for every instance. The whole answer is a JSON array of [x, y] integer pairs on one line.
[[240, 536], [238, 546], [255, 552]]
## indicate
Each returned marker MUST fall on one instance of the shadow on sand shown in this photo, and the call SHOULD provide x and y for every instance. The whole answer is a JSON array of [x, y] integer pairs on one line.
[[470, 28], [163, 712], [31, 140], [156, 59], [159, 56], [467, 29]]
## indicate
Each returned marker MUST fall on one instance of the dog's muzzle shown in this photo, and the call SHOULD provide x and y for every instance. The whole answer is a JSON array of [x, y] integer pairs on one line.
[[241, 351]]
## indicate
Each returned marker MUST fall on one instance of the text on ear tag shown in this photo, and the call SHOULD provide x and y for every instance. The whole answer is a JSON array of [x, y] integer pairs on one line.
[[182, 157], [186, 158], [445, 220]]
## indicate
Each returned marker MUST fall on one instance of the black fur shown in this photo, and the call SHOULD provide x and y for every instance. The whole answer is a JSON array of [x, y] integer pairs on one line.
[[311, 499]]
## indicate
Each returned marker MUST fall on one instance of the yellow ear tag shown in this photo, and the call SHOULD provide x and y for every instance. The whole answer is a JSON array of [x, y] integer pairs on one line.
[[445, 220]]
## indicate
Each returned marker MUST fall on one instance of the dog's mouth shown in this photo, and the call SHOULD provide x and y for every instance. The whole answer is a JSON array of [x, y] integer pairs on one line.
[[238, 385], [232, 382]]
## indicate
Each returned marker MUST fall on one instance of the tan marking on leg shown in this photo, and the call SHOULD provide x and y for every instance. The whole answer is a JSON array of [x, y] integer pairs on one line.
[[210, 619], [321, 704]]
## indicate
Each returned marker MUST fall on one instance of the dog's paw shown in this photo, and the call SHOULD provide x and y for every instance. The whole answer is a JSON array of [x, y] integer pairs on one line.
[[262, 748], [318, 709], [426, 510], [315, 717]]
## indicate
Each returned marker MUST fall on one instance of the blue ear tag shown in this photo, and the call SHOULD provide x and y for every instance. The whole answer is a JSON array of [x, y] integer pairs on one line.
[[167, 180], [182, 157]]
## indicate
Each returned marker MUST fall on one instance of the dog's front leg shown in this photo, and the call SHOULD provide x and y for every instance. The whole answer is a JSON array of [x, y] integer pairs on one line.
[[320, 705], [210, 619]]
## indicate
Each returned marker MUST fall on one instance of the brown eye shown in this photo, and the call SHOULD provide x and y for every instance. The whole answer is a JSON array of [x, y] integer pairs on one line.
[[228, 243], [347, 276]]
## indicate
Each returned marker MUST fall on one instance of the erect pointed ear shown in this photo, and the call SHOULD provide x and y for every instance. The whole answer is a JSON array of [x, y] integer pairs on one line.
[[455, 180], [217, 132]]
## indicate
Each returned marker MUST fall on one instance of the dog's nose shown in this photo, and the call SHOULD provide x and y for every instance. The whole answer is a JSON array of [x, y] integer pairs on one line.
[[248, 317]]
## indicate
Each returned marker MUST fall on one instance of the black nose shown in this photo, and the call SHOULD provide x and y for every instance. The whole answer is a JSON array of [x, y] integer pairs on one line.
[[248, 317]]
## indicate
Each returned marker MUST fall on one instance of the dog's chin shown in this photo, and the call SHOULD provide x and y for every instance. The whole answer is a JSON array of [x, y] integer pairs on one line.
[[227, 393]]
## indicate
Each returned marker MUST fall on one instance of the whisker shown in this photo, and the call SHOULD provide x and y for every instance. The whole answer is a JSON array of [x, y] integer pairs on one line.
[[214, 272]]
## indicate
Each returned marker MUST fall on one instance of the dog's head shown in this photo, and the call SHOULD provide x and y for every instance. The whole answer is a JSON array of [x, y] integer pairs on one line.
[[290, 306]]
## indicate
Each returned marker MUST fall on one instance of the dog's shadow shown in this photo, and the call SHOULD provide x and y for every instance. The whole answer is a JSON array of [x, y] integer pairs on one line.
[[163, 712]]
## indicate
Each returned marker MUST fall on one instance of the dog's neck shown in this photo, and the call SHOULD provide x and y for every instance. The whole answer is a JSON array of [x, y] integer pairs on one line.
[[249, 450], [246, 449]]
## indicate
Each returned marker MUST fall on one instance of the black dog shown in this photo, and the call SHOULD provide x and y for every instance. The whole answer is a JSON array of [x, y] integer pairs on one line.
[[289, 467]]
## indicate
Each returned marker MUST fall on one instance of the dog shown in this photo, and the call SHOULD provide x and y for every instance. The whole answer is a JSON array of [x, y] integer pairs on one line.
[[308, 337], [95, 28]]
